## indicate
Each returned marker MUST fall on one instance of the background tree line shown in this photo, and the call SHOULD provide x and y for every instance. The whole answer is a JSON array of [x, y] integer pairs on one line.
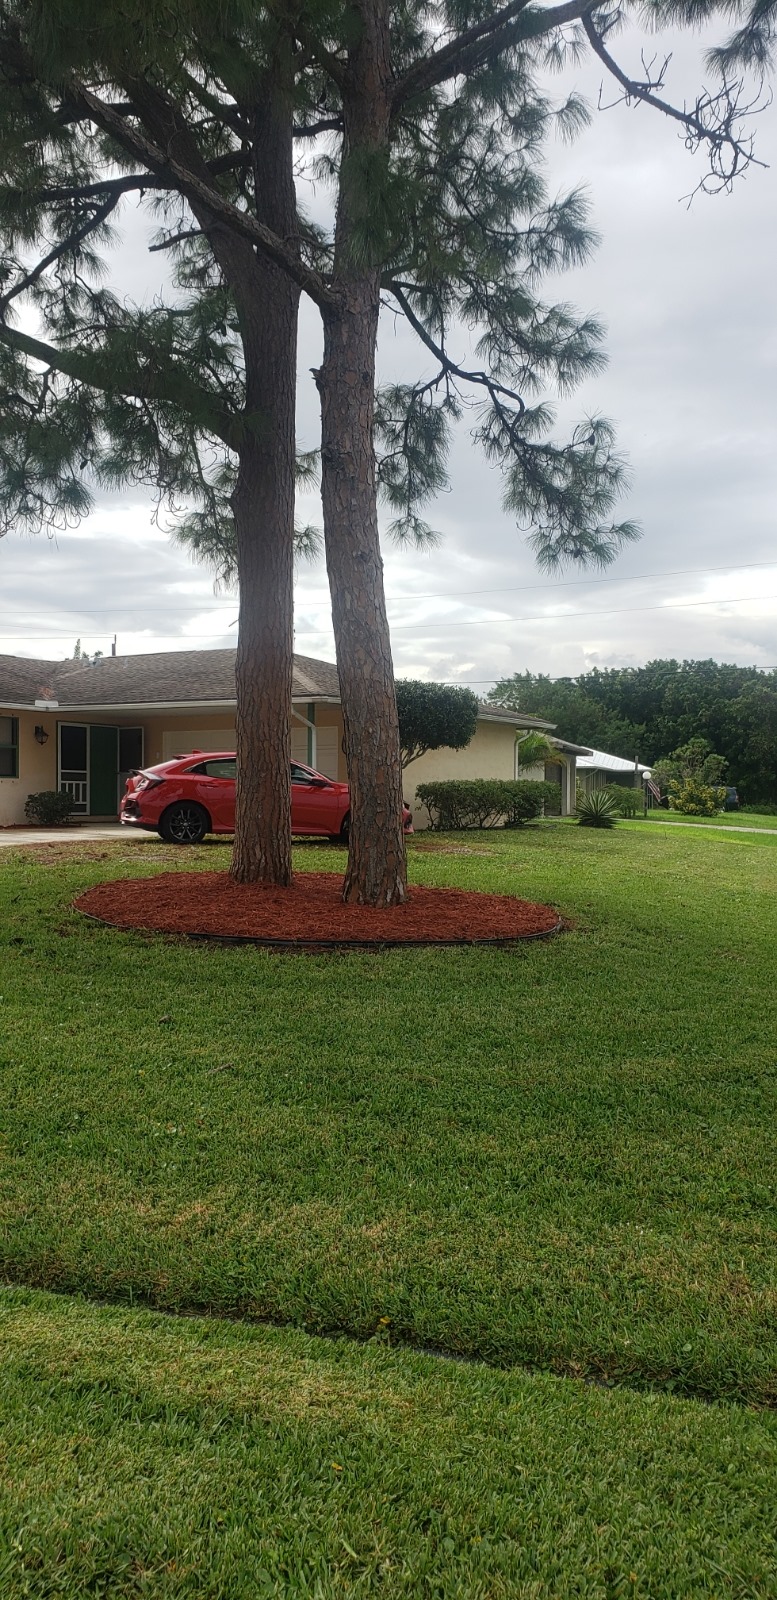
[[652, 710]]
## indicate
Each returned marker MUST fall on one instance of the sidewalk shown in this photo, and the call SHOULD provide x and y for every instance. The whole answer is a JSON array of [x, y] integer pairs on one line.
[[104, 832], [719, 827]]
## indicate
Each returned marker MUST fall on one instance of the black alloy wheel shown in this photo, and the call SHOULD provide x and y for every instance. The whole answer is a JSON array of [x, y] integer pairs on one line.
[[184, 823]]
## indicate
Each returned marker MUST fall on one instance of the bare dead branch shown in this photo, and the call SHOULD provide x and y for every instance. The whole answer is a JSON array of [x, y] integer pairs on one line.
[[716, 119]]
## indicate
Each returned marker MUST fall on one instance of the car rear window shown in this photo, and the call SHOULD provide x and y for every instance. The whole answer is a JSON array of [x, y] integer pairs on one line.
[[225, 767]]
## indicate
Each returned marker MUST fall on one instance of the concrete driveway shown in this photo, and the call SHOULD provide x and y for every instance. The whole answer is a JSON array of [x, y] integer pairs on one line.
[[103, 833]]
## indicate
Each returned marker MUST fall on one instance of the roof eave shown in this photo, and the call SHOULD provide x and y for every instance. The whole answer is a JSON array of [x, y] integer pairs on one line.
[[515, 720]]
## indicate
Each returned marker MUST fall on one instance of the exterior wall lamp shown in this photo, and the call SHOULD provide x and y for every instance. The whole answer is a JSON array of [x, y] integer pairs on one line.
[[41, 734]]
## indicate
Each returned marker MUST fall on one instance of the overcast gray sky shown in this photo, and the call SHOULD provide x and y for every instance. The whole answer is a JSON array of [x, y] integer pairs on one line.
[[688, 297]]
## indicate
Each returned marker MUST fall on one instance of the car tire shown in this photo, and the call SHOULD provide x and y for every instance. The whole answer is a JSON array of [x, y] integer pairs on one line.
[[184, 823], [345, 829]]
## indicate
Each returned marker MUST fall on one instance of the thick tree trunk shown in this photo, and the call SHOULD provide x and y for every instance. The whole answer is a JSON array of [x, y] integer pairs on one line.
[[266, 303], [377, 873], [264, 520], [263, 505]]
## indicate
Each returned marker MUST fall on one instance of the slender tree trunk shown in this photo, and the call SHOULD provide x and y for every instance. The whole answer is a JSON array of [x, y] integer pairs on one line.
[[377, 872]]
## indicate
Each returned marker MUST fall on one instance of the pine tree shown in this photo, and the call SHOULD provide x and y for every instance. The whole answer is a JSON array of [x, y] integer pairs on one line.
[[434, 123], [194, 395]]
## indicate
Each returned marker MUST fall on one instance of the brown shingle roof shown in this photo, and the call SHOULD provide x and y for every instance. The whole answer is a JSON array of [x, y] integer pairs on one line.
[[22, 680], [171, 677], [174, 677]]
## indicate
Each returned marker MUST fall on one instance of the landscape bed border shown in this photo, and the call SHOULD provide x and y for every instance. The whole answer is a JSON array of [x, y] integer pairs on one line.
[[314, 946]]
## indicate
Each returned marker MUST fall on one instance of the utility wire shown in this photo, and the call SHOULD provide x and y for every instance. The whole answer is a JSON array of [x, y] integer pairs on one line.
[[229, 603], [432, 627]]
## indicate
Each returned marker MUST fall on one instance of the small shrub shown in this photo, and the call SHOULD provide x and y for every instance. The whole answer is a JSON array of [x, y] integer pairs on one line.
[[629, 801], [51, 808], [693, 798], [767, 808], [599, 809], [462, 803]]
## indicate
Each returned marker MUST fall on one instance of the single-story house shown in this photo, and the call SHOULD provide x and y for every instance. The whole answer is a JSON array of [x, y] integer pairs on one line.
[[597, 769], [81, 725]]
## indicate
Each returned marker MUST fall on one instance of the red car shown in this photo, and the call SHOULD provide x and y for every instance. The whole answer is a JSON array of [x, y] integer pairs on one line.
[[192, 795]]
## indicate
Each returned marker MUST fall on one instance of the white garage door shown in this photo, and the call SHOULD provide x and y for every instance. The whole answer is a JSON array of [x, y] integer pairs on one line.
[[327, 751], [326, 747], [182, 740]]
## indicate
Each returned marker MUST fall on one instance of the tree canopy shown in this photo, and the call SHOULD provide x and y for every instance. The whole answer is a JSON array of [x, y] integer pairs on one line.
[[434, 716], [454, 211], [652, 710]]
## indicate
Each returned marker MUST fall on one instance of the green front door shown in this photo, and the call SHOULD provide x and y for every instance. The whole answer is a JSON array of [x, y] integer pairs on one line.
[[103, 771]]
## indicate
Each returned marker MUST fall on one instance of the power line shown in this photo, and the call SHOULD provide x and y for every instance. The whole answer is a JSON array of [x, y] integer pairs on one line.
[[448, 594], [570, 616], [570, 583], [431, 627]]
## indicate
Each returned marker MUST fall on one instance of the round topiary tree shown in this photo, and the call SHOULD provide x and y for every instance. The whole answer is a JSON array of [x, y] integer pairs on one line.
[[434, 716]]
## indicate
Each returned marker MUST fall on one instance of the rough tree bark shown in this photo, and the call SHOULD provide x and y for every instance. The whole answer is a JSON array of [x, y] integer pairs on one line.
[[263, 505], [266, 303], [376, 873]]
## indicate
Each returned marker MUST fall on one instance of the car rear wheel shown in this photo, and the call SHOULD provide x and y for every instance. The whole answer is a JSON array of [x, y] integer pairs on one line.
[[184, 823], [345, 829]]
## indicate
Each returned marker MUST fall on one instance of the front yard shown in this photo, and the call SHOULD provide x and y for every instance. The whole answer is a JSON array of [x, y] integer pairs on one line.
[[555, 1158]]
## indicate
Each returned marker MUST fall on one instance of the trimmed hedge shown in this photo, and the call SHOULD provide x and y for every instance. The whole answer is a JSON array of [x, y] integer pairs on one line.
[[461, 803]]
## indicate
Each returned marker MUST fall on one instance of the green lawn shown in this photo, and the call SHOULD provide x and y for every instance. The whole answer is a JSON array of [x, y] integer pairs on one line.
[[560, 1157], [149, 1456]]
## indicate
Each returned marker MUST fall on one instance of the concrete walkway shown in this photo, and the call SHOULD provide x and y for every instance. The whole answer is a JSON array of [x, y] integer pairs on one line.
[[719, 827], [105, 832]]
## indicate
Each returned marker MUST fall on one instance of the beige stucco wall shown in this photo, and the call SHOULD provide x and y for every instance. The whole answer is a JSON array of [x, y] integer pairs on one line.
[[37, 765], [489, 754]]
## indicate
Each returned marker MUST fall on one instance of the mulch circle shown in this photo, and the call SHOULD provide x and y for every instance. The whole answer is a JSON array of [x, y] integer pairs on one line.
[[310, 915]]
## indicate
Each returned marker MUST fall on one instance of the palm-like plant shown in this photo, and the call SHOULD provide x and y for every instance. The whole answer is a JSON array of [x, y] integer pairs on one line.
[[599, 809]]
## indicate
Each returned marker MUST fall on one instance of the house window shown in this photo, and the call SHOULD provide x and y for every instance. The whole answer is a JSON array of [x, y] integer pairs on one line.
[[9, 747]]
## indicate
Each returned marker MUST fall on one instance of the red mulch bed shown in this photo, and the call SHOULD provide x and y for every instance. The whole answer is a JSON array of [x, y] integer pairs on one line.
[[311, 913]]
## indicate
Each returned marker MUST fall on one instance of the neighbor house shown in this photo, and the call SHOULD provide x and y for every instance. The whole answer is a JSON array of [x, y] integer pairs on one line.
[[82, 725], [596, 770]]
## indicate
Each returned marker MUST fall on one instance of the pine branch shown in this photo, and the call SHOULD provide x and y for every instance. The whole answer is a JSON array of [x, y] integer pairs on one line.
[[332, 64], [448, 367], [176, 238], [484, 42], [171, 385], [62, 193], [199, 191], [65, 246], [311, 130]]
